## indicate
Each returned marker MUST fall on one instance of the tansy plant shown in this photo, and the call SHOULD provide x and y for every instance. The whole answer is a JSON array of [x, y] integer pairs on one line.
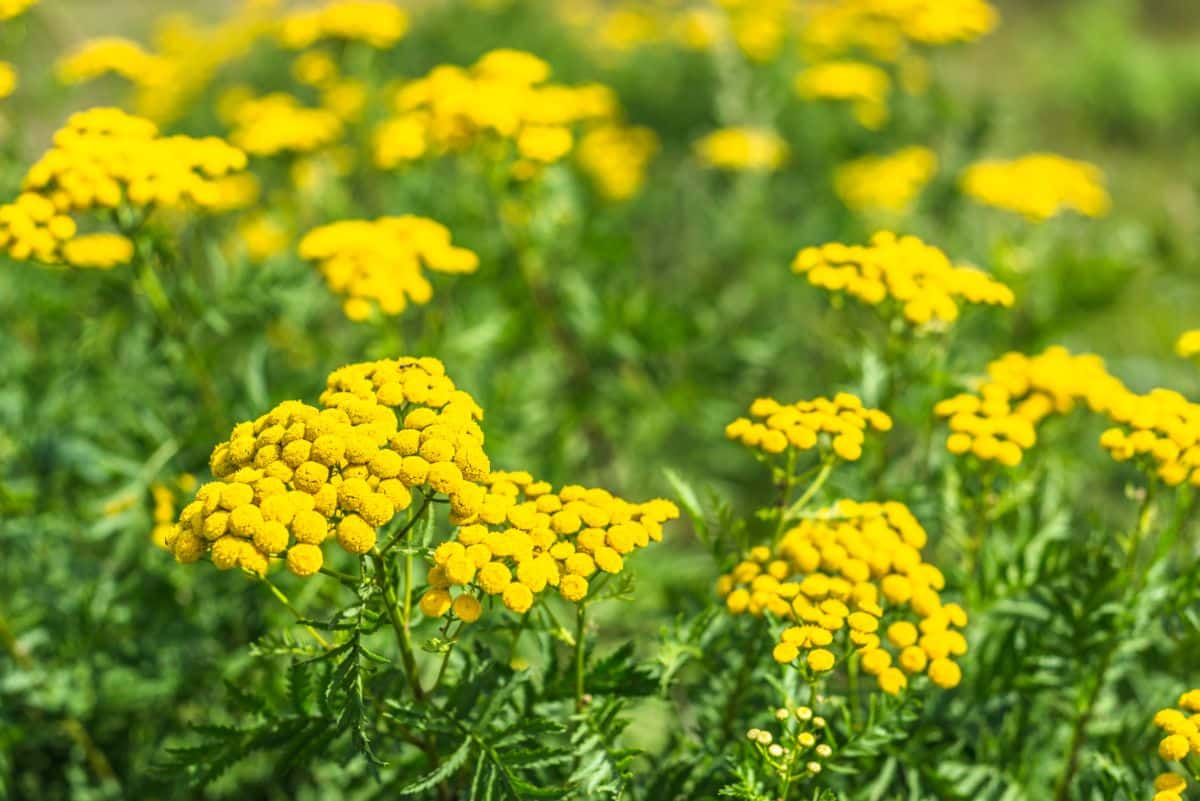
[[463, 586]]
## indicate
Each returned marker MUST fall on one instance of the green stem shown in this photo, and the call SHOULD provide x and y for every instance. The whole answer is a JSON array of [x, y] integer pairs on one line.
[[403, 532], [580, 625], [795, 509], [403, 635], [283, 599]]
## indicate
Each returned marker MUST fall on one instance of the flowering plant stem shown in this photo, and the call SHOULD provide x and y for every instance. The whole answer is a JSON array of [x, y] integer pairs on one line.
[[580, 628], [1079, 732]]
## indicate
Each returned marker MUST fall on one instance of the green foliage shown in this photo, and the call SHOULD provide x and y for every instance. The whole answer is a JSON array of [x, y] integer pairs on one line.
[[610, 344]]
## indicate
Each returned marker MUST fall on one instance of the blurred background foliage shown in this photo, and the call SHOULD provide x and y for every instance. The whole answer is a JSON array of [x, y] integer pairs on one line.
[[678, 309]]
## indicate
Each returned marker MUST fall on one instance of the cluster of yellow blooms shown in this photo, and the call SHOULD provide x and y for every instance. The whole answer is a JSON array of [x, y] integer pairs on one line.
[[300, 475], [505, 95], [884, 29], [1188, 344], [836, 425], [277, 123], [528, 537], [615, 158], [885, 183], [999, 421], [918, 277], [102, 159], [1039, 186], [111, 55], [865, 86], [1162, 427], [379, 23], [1182, 740], [843, 574], [743, 149], [379, 263], [183, 62]]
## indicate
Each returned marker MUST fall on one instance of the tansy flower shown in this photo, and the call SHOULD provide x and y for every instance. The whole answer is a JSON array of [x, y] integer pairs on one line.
[[999, 421], [1188, 344], [115, 55], [378, 264], [104, 158], [743, 149], [885, 183], [1039, 186], [835, 426], [863, 85], [378, 23], [277, 123], [902, 274], [836, 575]]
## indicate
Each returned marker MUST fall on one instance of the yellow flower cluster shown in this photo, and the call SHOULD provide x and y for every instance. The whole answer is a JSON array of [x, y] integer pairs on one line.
[[115, 55], [183, 62], [103, 159], [918, 277], [743, 149], [629, 26], [377, 22], [887, 183], [885, 28], [854, 572], [615, 158], [1039, 186], [11, 8], [1182, 739], [1188, 344], [835, 426], [277, 123], [527, 537], [379, 263], [863, 85], [300, 475], [505, 95], [1160, 429], [8, 79], [999, 421]]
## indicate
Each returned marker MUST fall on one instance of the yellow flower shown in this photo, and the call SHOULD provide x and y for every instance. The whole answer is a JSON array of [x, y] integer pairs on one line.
[[277, 123], [836, 424], [919, 279], [378, 23], [8, 79], [379, 264], [467, 608], [820, 660], [885, 183], [864, 85], [1039, 186], [743, 149], [97, 57], [1187, 346]]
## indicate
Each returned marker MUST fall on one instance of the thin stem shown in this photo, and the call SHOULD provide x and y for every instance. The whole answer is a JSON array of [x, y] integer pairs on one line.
[[580, 625], [813, 488], [403, 636], [403, 532], [283, 599], [445, 657]]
